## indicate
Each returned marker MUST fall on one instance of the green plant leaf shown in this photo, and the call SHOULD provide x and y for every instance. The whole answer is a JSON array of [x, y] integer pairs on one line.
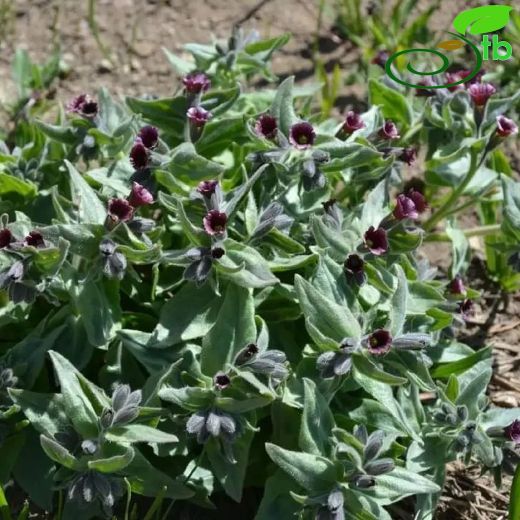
[[231, 476], [317, 420], [332, 320], [234, 329], [114, 463], [77, 406], [312, 472], [59, 453], [90, 209], [282, 108], [139, 433], [393, 104]]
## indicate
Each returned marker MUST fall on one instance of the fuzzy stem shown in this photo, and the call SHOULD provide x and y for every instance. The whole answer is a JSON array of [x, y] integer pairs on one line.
[[444, 210], [479, 231]]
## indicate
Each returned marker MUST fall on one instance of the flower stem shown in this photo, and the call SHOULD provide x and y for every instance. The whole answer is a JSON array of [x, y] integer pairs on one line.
[[478, 231], [444, 210]]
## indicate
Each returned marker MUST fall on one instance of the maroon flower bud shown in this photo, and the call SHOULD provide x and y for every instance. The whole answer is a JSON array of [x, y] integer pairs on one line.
[[456, 286], [352, 122], [221, 380], [246, 354], [76, 103], [389, 130], [454, 76], [35, 239], [120, 209], [405, 208], [302, 135], [458, 75], [506, 126], [196, 82], [376, 240], [424, 92], [418, 199], [408, 155], [139, 196], [379, 342], [217, 253], [6, 237], [149, 136], [139, 155], [198, 116], [513, 431], [83, 105], [266, 126], [354, 267], [354, 263], [466, 308], [481, 92], [207, 188], [215, 222], [381, 58]]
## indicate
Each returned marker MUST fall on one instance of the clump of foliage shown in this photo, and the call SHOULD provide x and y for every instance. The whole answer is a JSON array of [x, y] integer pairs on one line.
[[222, 290]]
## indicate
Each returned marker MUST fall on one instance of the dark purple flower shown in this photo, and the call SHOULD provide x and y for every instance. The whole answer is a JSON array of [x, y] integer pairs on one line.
[[221, 380], [506, 126], [6, 237], [217, 253], [456, 286], [454, 76], [381, 58], [389, 130], [215, 222], [376, 240], [207, 188], [352, 122], [83, 105], [354, 267], [139, 155], [198, 116], [266, 126], [458, 75], [196, 82], [481, 92], [76, 103], [405, 208], [90, 108], [513, 431], [35, 239], [408, 155], [418, 199], [466, 308], [139, 196], [379, 342], [302, 135], [149, 136], [120, 210]]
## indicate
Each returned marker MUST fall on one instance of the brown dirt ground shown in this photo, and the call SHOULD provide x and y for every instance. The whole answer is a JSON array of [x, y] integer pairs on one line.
[[133, 32]]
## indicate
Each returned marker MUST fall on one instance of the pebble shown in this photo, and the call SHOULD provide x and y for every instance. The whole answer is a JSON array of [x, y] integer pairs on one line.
[[104, 67], [505, 399]]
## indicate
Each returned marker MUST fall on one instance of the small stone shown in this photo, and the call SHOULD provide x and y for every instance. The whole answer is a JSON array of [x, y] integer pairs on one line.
[[135, 64], [105, 67], [505, 399]]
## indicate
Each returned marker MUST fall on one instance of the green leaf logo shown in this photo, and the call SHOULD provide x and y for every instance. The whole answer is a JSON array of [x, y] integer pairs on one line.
[[483, 19]]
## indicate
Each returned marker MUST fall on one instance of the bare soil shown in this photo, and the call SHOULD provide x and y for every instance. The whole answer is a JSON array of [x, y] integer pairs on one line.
[[127, 58]]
